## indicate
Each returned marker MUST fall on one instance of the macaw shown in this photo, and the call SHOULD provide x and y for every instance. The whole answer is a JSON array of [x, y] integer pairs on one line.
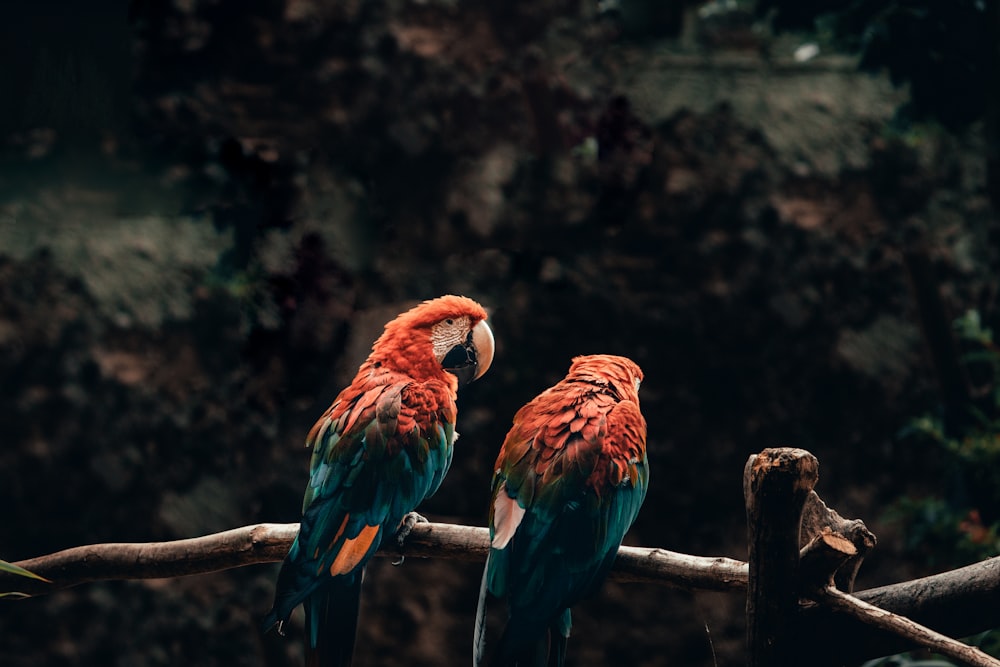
[[383, 446], [568, 482]]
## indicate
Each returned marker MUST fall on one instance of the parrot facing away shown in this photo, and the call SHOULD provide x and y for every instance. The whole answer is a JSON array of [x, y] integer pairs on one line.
[[568, 482], [383, 446]]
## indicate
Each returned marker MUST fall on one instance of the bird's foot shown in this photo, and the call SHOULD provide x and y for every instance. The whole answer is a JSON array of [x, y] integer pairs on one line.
[[404, 530], [406, 527]]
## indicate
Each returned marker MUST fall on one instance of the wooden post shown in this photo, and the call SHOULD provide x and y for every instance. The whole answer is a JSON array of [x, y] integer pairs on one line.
[[776, 483]]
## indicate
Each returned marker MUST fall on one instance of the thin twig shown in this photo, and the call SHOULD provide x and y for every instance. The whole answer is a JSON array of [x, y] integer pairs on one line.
[[901, 625], [268, 543]]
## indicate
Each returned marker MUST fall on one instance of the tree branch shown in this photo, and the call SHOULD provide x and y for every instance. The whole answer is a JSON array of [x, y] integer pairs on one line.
[[957, 603], [269, 542], [880, 618]]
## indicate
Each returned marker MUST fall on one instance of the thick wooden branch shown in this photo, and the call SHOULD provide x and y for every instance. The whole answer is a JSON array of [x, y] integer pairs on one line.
[[268, 543], [904, 627], [776, 483], [263, 543], [959, 603]]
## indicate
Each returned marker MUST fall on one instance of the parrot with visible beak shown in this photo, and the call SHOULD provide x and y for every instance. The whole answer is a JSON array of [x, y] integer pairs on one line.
[[381, 448]]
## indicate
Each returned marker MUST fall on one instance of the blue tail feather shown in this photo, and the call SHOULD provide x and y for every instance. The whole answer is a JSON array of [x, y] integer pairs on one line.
[[479, 634], [332, 623], [526, 642]]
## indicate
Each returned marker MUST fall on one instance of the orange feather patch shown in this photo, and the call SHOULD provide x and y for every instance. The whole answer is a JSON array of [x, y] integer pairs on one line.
[[353, 551], [340, 531]]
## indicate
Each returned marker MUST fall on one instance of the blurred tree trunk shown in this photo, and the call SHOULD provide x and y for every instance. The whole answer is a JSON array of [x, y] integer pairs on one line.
[[993, 105]]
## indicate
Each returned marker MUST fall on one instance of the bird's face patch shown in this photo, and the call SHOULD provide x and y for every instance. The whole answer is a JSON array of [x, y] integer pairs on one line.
[[463, 350], [448, 333]]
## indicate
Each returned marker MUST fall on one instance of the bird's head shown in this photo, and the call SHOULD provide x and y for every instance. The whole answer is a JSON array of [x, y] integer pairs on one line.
[[448, 333], [619, 373]]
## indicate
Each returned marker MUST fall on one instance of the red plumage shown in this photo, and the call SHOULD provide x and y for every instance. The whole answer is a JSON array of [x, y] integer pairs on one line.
[[547, 425], [402, 354]]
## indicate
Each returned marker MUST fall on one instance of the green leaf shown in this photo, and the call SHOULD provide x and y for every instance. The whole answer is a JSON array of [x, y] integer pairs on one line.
[[970, 326], [982, 356], [20, 571]]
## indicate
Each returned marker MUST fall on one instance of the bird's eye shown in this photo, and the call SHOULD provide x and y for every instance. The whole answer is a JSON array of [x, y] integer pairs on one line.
[[449, 322]]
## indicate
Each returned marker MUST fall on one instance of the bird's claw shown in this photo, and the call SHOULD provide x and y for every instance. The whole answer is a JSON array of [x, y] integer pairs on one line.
[[405, 528]]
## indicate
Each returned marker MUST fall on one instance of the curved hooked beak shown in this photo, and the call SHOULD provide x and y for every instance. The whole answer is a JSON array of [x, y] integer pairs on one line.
[[472, 358]]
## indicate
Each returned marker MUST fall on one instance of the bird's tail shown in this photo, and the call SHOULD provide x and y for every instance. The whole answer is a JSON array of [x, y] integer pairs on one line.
[[523, 644], [479, 638], [332, 623], [533, 653], [292, 588], [558, 637]]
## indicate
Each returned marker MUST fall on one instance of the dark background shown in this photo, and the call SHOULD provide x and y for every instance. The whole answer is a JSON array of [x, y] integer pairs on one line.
[[208, 209]]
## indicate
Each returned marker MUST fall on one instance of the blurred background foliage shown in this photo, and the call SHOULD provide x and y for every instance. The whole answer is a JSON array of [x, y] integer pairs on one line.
[[208, 209], [960, 525]]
